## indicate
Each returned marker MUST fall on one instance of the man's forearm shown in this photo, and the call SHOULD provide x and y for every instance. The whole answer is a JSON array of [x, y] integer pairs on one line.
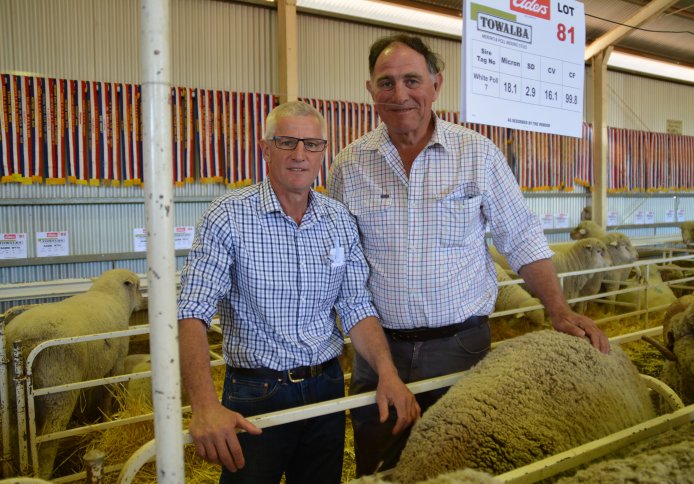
[[541, 278], [370, 342], [195, 363]]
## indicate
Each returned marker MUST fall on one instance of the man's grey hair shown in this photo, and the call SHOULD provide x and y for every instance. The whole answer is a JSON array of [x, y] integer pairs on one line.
[[434, 62], [292, 108]]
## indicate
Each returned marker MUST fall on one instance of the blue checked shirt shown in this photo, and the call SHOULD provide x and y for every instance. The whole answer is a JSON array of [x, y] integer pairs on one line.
[[424, 237], [277, 286]]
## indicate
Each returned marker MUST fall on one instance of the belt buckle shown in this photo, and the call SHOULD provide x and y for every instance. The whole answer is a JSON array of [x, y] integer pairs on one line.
[[292, 379]]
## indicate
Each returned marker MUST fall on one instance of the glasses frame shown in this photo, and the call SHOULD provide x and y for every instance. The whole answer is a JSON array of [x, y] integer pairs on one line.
[[303, 140]]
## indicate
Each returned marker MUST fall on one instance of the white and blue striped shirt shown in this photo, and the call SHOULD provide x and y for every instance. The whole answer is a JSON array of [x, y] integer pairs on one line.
[[424, 236], [277, 285]]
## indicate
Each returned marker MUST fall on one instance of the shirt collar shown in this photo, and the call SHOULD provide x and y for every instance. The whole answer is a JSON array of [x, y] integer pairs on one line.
[[380, 137], [270, 203]]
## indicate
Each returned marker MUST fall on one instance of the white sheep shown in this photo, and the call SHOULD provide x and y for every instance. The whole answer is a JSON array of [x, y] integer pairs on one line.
[[687, 230], [678, 350], [105, 307], [533, 396], [667, 457], [621, 252], [513, 296], [584, 254], [587, 213], [587, 228]]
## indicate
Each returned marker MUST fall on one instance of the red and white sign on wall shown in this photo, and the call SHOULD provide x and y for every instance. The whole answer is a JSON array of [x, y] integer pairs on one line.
[[523, 64], [13, 246]]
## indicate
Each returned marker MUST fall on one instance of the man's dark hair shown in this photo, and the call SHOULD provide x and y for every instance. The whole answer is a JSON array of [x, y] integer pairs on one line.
[[434, 63]]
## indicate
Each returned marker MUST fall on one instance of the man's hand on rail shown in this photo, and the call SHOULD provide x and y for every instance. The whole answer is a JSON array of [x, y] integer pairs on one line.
[[214, 431], [391, 391]]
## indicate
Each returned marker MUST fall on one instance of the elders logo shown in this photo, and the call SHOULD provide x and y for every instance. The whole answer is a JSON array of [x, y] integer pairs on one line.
[[536, 8]]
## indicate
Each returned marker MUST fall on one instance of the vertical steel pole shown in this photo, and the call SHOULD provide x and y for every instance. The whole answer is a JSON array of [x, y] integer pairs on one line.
[[155, 62]]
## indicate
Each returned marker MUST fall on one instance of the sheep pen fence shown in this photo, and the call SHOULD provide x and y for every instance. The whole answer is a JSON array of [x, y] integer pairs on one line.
[[27, 441]]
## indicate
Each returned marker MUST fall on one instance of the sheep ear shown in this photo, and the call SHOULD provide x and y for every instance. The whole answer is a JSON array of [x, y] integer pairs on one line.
[[614, 243]]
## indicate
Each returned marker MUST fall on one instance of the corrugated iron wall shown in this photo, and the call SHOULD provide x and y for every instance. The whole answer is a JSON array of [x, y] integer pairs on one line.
[[333, 60], [231, 46]]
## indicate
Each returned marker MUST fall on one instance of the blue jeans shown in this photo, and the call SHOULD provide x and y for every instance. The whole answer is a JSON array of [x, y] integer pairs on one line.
[[307, 451], [376, 448]]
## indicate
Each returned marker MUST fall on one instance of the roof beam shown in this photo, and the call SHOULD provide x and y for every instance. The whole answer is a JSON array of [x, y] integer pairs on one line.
[[613, 36]]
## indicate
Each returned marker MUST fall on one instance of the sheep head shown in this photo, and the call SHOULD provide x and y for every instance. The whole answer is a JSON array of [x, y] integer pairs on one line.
[[620, 248], [687, 229], [585, 229], [121, 282], [594, 251]]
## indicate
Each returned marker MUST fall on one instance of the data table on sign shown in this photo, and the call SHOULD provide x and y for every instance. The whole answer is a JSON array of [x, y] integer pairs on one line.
[[515, 75]]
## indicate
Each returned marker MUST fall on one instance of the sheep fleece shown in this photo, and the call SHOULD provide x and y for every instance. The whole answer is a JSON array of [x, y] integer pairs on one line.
[[534, 396]]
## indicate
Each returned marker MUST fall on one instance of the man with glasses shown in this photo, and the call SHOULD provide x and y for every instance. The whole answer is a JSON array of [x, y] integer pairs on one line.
[[278, 262]]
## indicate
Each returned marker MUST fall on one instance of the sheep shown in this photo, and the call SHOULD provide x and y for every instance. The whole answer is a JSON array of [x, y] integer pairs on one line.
[[687, 230], [659, 293], [533, 396], [678, 336], [620, 249], [587, 213], [667, 457], [105, 307], [590, 253], [587, 228], [464, 476], [513, 296]]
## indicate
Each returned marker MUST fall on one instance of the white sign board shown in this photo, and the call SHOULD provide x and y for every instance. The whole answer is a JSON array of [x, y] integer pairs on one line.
[[13, 246], [183, 237], [52, 244], [140, 239], [523, 64]]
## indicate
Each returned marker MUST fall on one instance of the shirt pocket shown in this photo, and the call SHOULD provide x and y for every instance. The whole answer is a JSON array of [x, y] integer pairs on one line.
[[374, 216], [459, 216], [330, 277]]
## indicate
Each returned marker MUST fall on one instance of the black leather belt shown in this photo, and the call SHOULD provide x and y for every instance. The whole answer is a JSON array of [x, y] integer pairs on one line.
[[426, 334], [294, 375]]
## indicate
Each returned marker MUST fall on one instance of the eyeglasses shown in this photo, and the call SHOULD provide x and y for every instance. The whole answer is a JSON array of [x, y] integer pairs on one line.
[[290, 143]]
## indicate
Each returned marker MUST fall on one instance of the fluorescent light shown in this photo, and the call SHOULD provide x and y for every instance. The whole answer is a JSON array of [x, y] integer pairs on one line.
[[638, 64], [388, 13]]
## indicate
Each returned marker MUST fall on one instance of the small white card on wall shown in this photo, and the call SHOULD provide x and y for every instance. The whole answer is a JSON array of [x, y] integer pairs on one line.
[[639, 217], [561, 221], [548, 221], [13, 246], [52, 244], [613, 218], [183, 237], [140, 240]]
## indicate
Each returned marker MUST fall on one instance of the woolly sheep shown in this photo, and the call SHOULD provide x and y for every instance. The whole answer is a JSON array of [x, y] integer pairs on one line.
[[668, 457], [659, 293], [587, 213], [619, 247], [105, 307], [464, 476], [533, 396], [513, 296], [687, 230], [678, 371], [587, 228], [590, 253]]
